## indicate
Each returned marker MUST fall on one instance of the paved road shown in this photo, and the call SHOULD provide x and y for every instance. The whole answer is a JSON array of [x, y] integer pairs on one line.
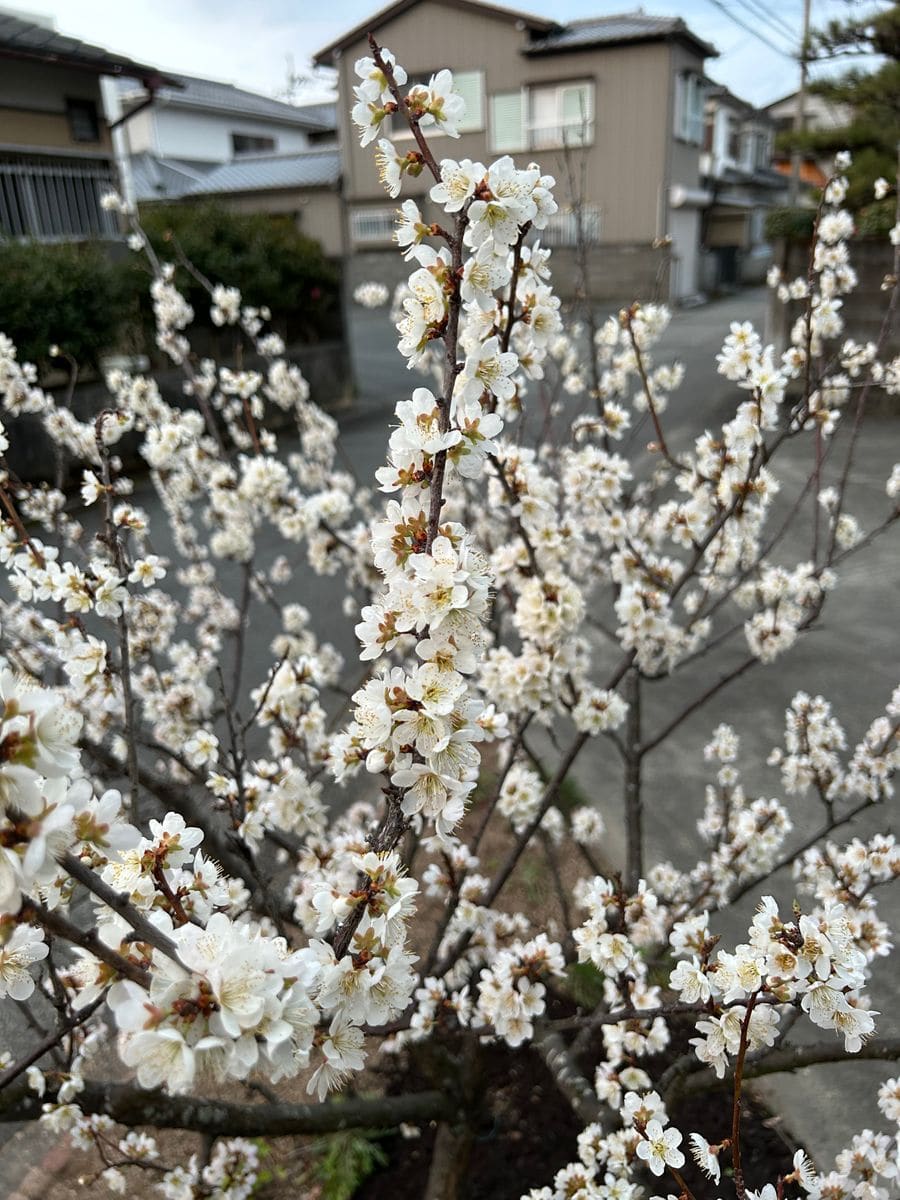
[[852, 658]]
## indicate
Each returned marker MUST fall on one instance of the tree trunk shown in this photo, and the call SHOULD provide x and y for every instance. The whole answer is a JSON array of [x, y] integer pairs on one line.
[[446, 1176]]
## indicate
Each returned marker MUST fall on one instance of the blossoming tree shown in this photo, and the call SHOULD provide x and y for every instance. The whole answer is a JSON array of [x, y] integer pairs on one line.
[[211, 919]]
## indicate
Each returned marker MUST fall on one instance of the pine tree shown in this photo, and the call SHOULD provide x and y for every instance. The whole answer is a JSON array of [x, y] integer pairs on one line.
[[873, 96]]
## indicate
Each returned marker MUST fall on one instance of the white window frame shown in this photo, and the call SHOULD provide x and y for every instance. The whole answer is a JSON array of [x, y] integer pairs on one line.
[[529, 140], [556, 136], [372, 226], [690, 118]]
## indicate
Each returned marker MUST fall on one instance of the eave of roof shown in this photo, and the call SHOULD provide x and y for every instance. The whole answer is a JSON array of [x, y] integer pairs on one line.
[[324, 56], [621, 29], [209, 95], [32, 42]]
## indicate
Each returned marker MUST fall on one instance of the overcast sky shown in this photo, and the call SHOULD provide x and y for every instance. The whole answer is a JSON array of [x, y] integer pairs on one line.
[[250, 44]]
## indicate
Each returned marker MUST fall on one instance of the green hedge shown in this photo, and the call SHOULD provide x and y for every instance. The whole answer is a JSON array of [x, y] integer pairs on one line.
[[92, 298], [796, 224], [72, 295], [791, 223], [266, 257]]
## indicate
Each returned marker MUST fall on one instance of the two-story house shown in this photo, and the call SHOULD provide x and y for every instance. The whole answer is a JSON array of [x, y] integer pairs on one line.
[[209, 140], [818, 113], [612, 106], [737, 171], [56, 151]]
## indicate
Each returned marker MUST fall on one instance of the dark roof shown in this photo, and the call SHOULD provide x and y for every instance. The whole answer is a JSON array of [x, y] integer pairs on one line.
[[170, 178], [317, 168], [192, 92], [34, 42], [156, 178], [718, 91], [615, 31], [383, 15]]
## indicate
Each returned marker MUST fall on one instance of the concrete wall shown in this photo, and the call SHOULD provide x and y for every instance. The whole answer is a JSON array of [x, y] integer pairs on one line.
[[318, 213], [616, 272], [33, 107], [863, 310], [626, 167]]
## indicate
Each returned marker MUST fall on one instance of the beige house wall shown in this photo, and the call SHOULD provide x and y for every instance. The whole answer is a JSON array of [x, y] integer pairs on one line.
[[33, 107], [626, 165], [318, 214]]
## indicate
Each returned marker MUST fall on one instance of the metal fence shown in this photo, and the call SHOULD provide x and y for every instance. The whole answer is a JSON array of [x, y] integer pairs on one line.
[[562, 227], [54, 199]]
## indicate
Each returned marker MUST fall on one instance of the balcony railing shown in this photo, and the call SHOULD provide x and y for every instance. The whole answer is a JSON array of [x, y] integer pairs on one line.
[[54, 199], [562, 228], [574, 133]]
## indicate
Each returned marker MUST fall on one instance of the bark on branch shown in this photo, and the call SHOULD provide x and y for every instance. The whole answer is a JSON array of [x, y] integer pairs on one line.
[[130, 1105], [789, 1058]]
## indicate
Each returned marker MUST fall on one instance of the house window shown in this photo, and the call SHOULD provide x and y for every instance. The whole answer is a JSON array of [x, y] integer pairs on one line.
[[709, 131], [561, 116], [543, 118], [759, 151], [247, 143], [370, 225], [733, 139], [84, 124], [508, 122], [468, 84], [55, 199], [690, 97]]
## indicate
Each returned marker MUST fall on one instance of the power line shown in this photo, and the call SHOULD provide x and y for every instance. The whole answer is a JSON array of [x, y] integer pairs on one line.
[[749, 29], [759, 8]]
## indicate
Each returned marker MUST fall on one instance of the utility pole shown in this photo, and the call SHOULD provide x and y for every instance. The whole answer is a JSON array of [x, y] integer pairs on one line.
[[800, 109]]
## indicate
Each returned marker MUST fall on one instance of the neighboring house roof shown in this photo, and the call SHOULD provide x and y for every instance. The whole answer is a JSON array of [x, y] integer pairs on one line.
[[384, 15], [615, 31], [161, 178], [32, 41], [212, 96], [720, 94], [156, 178]]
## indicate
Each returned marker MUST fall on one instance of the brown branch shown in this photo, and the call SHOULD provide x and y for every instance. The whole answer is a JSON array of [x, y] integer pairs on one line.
[[517, 520], [630, 314], [399, 100], [130, 1105], [634, 832], [736, 1101], [499, 881], [119, 903], [706, 696], [114, 543], [787, 859], [13, 1072], [790, 1058], [11, 509], [88, 939], [513, 287]]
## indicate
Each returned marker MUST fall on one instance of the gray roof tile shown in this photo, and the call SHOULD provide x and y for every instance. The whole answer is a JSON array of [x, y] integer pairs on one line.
[[31, 39], [321, 168], [225, 97], [624, 27]]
